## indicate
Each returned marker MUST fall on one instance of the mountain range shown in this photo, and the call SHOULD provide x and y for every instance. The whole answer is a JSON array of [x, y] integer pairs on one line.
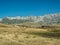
[[48, 19]]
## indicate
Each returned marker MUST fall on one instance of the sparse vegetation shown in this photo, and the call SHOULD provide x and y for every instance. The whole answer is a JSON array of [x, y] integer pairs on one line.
[[15, 35]]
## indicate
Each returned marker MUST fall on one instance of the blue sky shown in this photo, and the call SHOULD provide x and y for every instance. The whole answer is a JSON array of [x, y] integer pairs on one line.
[[28, 7]]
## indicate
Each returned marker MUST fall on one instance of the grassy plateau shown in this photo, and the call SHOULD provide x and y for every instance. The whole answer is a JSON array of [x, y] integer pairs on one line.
[[19, 35]]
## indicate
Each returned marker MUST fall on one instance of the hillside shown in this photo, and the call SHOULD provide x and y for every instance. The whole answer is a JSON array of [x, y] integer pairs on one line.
[[30, 30]]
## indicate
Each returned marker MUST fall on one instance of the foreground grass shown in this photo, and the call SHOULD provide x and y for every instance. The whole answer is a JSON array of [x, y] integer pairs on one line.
[[28, 36]]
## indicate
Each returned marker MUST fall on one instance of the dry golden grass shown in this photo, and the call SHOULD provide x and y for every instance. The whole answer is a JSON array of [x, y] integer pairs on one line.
[[14, 35]]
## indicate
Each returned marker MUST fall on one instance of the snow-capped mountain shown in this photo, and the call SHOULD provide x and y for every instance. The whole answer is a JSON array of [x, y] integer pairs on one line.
[[46, 19]]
